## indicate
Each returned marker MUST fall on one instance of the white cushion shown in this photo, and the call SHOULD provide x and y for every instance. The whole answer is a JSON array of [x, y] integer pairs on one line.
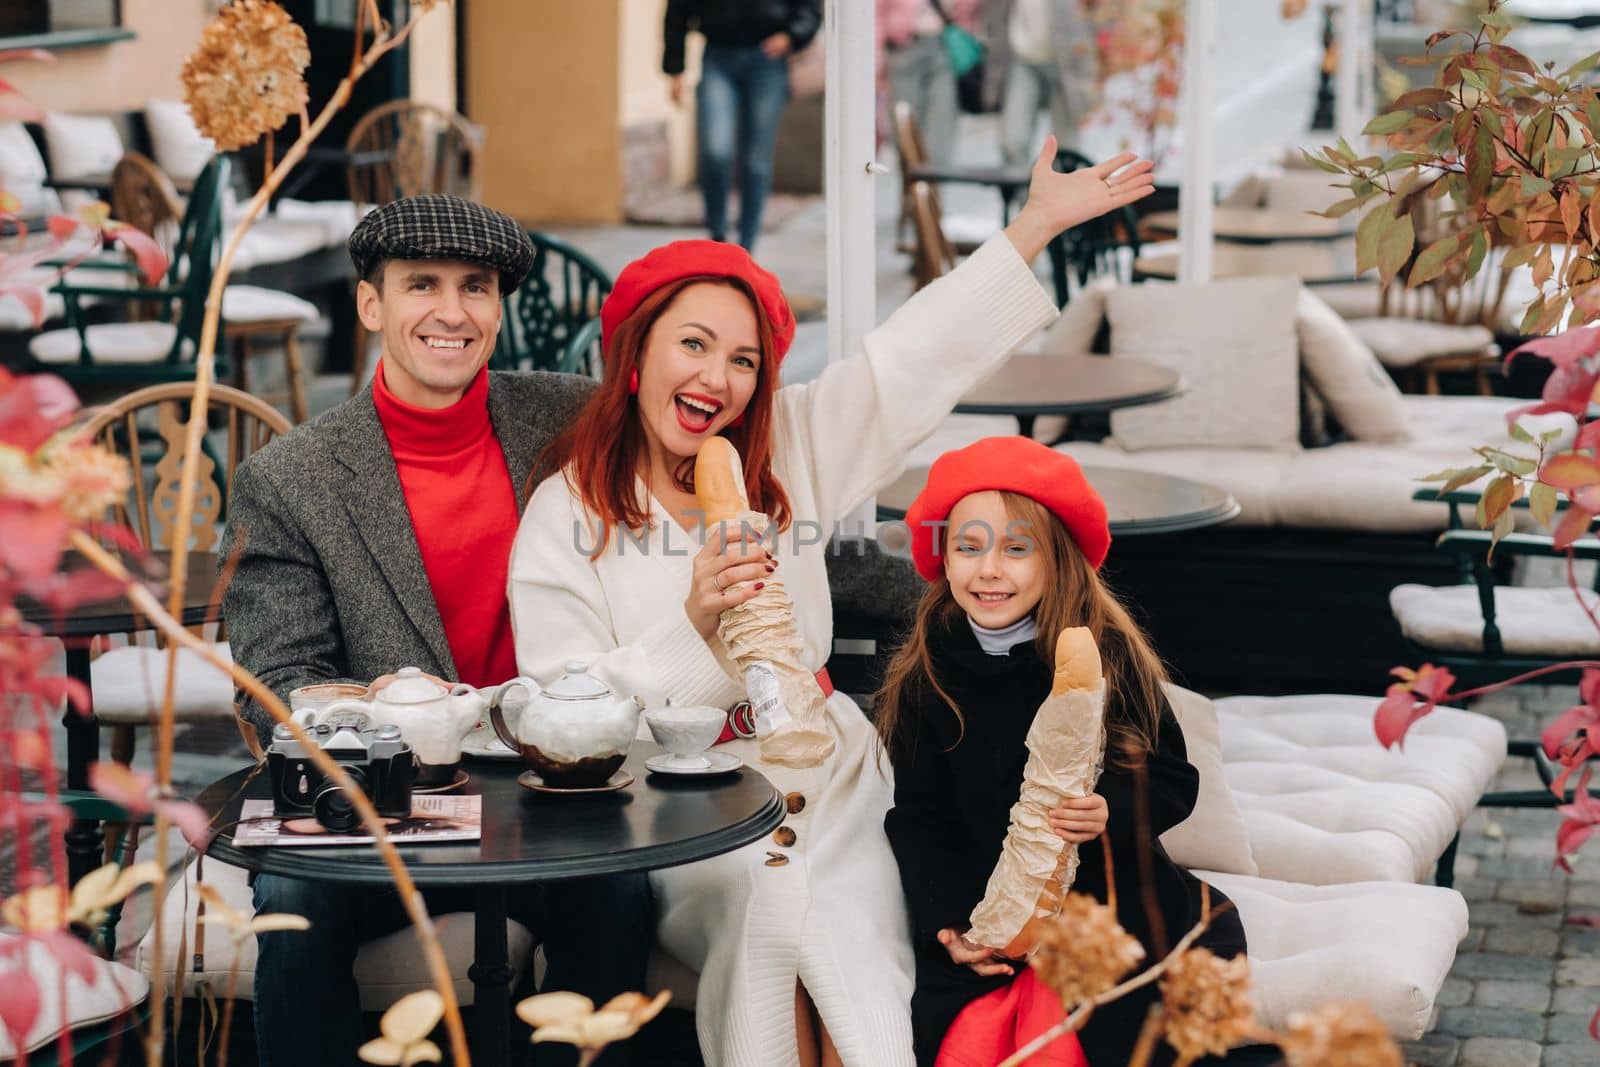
[[111, 342], [81, 146], [1252, 475], [114, 990], [1325, 803], [1352, 300], [1402, 343], [244, 304], [1214, 836], [336, 217], [387, 968], [129, 685], [1301, 190], [1345, 373], [1532, 621], [1233, 341], [276, 240], [1384, 944], [180, 148], [22, 172], [969, 230], [1456, 424]]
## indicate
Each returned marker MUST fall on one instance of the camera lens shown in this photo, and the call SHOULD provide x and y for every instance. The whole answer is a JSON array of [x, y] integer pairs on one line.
[[333, 808]]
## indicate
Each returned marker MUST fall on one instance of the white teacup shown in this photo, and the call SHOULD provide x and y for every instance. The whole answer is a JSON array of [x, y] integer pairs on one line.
[[685, 732]]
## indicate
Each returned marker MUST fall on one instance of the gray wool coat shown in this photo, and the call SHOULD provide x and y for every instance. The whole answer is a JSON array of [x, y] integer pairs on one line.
[[329, 584]]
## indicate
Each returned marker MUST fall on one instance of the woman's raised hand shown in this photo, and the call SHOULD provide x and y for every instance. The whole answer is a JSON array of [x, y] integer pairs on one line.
[[731, 555], [1058, 201]]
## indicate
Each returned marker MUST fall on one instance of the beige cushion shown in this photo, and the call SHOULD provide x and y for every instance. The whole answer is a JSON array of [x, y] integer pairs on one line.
[[969, 231], [129, 685], [114, 989], [1252, 475], [81, 146], [1384, 944], [244, 304], [336, 218], [387, 968], [279, 240], [1325, 803], [1345, 373], [179, 147], [111, 342], [1301, 190], [1450, 425], [1214, 836], [1352, 300], [1233, 341], [1402, 343], [1073, 333], [1532, 621]]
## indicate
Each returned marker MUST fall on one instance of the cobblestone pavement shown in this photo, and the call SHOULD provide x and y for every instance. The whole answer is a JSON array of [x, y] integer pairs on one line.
[[1526, 980]]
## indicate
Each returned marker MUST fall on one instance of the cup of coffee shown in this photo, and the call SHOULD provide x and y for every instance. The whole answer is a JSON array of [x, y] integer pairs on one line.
[[308, 701], [686, 733]]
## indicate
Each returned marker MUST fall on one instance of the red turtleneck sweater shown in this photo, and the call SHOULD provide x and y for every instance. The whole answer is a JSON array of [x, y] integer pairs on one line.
[[464, 514]]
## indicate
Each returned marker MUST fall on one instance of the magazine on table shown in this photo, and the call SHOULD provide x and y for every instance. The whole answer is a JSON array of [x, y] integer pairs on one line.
[[432, 818]]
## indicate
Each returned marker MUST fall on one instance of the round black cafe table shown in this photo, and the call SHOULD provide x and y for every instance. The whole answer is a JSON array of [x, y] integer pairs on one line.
[[1027, 386], [527, 837], [1137, 502]]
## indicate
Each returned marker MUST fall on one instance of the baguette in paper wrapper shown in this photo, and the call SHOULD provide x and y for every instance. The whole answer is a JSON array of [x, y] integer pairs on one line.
[[759, 634], [1066, 748]]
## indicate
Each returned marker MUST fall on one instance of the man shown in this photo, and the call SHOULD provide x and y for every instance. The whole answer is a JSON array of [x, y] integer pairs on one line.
[[1042, 56], [377, 537]]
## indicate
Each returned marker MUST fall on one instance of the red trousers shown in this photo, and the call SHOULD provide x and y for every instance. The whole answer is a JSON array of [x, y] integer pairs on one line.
[[997, 1024]]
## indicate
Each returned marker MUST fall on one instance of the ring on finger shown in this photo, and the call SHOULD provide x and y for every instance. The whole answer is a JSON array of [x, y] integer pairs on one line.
[[716, 580], [1109, 183]]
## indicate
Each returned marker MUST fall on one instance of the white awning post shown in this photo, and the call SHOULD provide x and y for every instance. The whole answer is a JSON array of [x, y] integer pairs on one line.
[[850, 137], [1352, 86], [1197, 117]]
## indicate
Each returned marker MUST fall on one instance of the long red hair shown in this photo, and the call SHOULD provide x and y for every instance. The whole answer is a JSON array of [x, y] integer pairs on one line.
[[601, 452]]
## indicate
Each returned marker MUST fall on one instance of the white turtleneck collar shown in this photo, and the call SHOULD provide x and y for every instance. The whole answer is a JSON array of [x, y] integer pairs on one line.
[[1000, 642]]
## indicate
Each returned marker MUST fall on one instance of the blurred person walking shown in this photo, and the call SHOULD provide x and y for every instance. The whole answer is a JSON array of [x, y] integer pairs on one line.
[[914, 65], [744, 85], [1042, 55]]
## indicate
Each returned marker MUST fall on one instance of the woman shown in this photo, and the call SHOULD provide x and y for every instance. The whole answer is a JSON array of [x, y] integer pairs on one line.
[[803, 959]]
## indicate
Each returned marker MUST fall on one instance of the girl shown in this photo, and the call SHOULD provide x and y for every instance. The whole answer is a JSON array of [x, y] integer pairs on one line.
[[1025, 536], [802, 958]]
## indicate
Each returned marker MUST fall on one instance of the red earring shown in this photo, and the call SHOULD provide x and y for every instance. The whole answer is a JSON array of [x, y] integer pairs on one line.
[[633, 382], [736, 423]]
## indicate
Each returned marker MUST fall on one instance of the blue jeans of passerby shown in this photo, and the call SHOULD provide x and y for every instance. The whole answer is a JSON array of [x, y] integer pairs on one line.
[[740, 99], [596, 934]]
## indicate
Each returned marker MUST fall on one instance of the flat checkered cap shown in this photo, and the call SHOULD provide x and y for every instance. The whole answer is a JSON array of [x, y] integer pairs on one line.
[[443, 227]]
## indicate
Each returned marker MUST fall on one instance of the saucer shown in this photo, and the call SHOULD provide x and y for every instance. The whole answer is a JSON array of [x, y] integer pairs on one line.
[[486, 745], [619, 780], [456, 783], [721, 763]]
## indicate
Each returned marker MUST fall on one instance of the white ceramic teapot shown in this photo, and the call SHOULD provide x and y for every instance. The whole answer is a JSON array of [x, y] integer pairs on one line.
[[432, 719], [573, 733]]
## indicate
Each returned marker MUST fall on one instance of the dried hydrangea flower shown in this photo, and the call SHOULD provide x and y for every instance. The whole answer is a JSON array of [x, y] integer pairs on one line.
[[1339, 1035], [1207, 999], [1083, 951], [92, 480], [246, 77]]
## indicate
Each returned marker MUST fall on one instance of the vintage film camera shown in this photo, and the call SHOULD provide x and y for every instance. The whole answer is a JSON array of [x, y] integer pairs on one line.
[[379, 761]]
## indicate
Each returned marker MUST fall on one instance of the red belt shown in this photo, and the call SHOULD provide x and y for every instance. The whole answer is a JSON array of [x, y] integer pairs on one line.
[[742, 717]]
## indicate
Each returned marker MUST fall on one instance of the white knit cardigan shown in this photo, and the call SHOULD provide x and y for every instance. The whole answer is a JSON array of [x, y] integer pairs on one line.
[[834, 915]]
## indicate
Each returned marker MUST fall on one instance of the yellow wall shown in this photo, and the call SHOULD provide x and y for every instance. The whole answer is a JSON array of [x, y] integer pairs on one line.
[[542, 77], [121, 76]]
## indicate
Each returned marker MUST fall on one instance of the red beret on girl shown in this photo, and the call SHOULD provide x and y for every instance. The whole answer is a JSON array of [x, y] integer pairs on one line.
[[692, 259], [1014, 464]]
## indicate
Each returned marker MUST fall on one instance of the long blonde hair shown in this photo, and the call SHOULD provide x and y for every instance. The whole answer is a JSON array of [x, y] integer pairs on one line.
[[1074, 595]]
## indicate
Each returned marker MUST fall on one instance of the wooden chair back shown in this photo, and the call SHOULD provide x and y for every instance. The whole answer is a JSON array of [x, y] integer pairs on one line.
[[563, 291], [147, 428], [406, 148], [1451, 298], [144, 197], [932, 257]]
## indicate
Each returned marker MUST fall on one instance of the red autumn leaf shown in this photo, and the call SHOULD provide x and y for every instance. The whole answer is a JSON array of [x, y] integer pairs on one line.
[[73, 955], [1582, 818], [63, 591], [1583, 920], [1562, 728], [1570, 471], [53, 689], [190, 819], [19, 1005], [30, 750], [1572, 755], [1588, 436], [33, 407], [14, 107], [33, 537], [62, 227], [122, 785], [149, 257], [30, 297], [1573, 525], [1408, 700], [1565, 348], [1594, 1025]]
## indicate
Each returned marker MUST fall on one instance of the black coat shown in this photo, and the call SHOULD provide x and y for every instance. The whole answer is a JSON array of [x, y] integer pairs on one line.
[[952, 805], [737, 23]]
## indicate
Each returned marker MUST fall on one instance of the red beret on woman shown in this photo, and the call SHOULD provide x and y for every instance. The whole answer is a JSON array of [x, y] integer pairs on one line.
[[1009, 464], [696, 259]]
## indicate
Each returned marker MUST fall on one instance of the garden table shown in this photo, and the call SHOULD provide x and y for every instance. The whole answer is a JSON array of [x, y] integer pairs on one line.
[[527, 837]]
